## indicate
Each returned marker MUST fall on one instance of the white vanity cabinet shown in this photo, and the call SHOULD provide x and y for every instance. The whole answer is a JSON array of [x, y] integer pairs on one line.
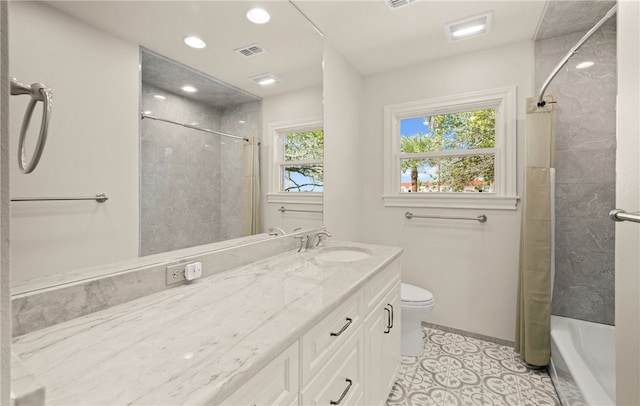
[[382, 335], [275, 384], [333, 357], [326, 338], [341, 381], [350, 357]]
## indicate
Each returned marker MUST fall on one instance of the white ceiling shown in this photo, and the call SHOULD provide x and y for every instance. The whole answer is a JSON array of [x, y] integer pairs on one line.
[[375, 39], [370, 36]]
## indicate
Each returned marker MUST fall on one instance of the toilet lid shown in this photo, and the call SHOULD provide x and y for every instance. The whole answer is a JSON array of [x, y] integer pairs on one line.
[[413, 294]]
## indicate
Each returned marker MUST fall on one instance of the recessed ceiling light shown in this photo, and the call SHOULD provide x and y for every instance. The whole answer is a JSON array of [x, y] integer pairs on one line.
[[584, 65], [468, 31], [147, 112], [469, 27], [258, 15], [266, 79], [195, 42], [189, 89], [159, 96], [241, 121]]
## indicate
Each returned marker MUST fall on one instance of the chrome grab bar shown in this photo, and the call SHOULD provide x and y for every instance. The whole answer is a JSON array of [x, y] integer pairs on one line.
[[282, 209], [38, 92], [100, 198], [481, 218], [621, 215]]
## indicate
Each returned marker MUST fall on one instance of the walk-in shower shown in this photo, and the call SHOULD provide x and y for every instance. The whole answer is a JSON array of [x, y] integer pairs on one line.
[[191, 156]]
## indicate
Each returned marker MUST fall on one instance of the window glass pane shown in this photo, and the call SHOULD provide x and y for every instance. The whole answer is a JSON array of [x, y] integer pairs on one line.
[[451, 174], [303, 178], [304, 145], [449, 132]]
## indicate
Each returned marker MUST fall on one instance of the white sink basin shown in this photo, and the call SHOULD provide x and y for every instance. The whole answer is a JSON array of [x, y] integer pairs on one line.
[[343, 254]]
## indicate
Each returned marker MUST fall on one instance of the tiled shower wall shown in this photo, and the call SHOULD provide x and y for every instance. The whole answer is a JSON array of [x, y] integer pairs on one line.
[[585, 172], [243, 120], [191, 181]]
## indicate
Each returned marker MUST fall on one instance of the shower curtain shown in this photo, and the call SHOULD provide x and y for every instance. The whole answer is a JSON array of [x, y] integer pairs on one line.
[[534, 276], [251, 186]]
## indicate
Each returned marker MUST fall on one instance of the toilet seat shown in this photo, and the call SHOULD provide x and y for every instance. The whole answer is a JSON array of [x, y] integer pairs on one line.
[[415, 296]]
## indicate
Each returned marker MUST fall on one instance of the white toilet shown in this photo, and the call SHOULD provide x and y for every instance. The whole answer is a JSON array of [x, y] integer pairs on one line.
[[416, 305]]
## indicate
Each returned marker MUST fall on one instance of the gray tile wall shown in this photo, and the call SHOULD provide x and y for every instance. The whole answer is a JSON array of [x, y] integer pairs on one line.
[[243, 120], [191, 181], [585, 172]]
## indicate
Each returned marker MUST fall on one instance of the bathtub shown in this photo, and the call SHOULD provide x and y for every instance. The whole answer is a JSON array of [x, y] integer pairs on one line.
[[583, 362]]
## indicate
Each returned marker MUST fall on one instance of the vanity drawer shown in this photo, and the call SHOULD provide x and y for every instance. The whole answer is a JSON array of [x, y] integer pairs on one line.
[[341, 380], [323, 340], [380, 284], [275, 384]]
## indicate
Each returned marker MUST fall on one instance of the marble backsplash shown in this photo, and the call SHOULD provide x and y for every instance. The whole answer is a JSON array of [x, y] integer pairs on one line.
[[585, 172], [44, 303]]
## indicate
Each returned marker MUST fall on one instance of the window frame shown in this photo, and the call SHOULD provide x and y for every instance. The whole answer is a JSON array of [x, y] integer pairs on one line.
[[505, 195], [277, 131]]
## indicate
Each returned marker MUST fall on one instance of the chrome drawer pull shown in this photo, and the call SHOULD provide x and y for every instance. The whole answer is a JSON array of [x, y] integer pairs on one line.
[[391, 306], [349, 321], [337, 402]]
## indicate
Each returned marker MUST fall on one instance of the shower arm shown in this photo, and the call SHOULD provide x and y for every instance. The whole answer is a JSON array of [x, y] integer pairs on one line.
[[572, 51]]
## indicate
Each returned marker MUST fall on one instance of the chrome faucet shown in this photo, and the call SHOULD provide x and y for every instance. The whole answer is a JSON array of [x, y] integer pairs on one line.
[[317, 239], [276, 231], [304, 241]]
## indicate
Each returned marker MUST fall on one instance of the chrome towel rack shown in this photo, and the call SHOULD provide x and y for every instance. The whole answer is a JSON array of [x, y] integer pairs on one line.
[[621, 215], [38, 92], [282, 209], [100, 198], [481, 218]]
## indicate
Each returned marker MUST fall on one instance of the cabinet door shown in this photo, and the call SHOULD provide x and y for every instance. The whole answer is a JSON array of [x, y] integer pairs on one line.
[[382, 343], [392, 343], [375, 325]]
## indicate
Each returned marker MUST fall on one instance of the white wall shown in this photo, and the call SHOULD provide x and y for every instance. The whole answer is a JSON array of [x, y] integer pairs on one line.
[[5, 272], [344, 147], [305, 104], [92, 145], [471, 268], [628, 198]]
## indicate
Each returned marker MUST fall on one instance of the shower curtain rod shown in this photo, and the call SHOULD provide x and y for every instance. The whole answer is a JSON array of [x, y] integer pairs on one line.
[[571, 52], [143, 116]]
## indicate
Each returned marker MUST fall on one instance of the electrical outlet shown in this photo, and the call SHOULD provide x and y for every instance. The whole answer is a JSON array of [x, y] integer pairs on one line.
[[193, 271], [175, 273]]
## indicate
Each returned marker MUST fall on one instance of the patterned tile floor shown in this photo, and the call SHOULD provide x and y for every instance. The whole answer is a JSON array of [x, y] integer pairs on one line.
[[459, 370]]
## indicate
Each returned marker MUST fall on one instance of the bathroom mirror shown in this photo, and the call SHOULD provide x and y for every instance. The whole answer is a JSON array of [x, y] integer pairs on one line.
[[93, 55]]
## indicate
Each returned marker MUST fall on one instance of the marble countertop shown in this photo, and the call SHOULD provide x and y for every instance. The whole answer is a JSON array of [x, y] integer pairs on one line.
[[197, 343]]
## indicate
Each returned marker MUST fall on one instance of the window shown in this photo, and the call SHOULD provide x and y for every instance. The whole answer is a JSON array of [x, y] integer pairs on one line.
[[300, 164], [452, 152], [297, 162]]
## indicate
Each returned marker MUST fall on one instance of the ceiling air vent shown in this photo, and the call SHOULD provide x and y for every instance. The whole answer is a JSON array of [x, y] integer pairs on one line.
[[396, 4], [251, 50]]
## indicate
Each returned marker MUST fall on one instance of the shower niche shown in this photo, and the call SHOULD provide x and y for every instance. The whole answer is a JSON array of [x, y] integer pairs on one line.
[[191, 181]]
